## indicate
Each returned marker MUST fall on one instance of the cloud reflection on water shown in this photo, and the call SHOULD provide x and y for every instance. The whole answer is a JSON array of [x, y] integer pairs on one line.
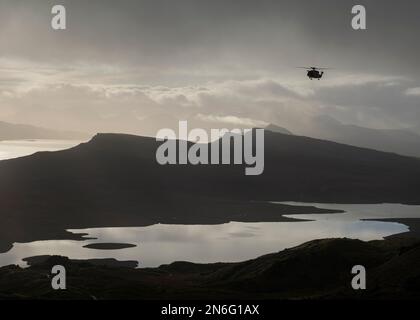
[[235, 241]]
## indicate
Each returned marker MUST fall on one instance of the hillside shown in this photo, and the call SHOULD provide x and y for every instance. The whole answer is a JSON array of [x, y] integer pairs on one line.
[[318, 269], [114, 180]]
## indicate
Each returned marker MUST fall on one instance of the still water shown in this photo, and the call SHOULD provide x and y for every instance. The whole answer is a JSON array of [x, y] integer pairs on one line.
[[161, 244]]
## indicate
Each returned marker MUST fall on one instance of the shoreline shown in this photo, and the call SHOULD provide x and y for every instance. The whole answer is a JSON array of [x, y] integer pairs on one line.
[[226, 211], [412, 223], [325, 263]]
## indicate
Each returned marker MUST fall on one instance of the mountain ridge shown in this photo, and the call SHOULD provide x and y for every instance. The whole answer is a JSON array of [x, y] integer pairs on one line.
[[401, 141]]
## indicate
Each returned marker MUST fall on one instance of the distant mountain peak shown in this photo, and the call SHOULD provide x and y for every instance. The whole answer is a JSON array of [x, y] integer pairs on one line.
[[12, 131], [278, 129]]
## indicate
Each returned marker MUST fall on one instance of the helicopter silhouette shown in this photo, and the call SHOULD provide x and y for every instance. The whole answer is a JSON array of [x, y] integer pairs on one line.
[[314, 72]]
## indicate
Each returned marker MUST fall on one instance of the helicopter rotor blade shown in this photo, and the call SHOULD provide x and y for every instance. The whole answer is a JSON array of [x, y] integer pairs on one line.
[[315, 68]]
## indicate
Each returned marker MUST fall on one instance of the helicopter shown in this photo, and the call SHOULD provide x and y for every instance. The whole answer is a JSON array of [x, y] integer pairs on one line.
[[314, 72]]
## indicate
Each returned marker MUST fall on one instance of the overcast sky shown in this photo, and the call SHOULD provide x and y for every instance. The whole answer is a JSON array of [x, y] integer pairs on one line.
[[137, 66]]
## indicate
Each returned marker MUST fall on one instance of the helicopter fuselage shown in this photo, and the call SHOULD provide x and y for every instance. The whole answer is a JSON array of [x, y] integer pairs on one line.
[[314, 74]]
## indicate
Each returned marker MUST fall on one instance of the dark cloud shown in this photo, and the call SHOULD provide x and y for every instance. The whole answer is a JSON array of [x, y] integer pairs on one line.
[[177, 44], [262, 33]]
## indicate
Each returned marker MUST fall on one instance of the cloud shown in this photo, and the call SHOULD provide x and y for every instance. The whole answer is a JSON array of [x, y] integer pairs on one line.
[[144, 109], [413, 91], [137, 65], [77, 107], [240, 122]]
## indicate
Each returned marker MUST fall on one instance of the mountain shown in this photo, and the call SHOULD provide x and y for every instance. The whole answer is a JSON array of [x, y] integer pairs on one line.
[[415, 129], [9, 131], [405, 142], [114, 180], [320, 270], [278, 129]]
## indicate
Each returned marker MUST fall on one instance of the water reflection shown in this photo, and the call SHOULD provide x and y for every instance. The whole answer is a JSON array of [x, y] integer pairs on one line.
[[231, 242], [358, 211]]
